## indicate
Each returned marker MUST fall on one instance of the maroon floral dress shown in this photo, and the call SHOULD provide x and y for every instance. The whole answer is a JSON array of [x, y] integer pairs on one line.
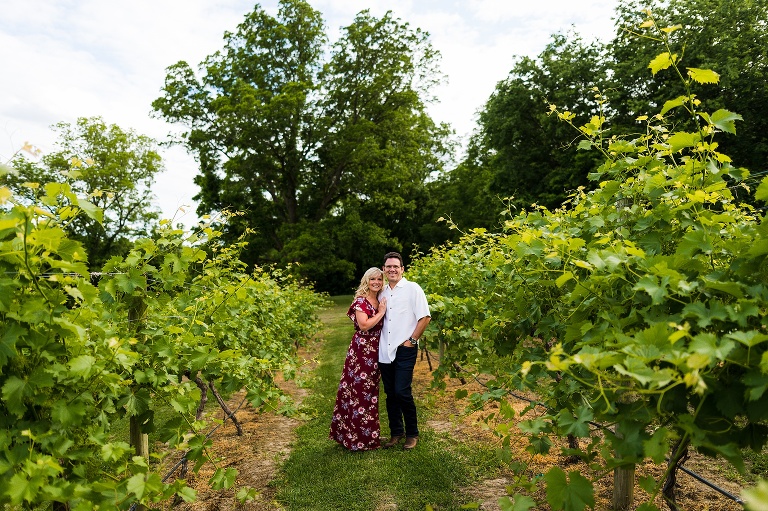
[[355, 421]]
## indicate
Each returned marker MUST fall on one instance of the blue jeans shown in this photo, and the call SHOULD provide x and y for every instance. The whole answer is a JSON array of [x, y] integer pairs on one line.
[[397, 378]]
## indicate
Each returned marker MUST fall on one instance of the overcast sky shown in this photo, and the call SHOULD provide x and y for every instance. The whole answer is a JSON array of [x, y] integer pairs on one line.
[[64, 59]]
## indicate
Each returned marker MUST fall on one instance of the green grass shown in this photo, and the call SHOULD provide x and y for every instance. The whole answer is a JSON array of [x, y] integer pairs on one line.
[[321, 475]]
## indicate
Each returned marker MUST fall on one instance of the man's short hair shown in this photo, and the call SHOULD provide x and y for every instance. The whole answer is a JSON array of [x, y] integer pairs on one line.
[[393, 255]]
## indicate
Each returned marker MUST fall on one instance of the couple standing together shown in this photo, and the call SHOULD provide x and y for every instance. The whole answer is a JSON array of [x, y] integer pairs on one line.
[[389, 319]]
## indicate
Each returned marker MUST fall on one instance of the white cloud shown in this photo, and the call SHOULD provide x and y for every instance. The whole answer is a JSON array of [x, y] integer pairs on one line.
[[75, 58]]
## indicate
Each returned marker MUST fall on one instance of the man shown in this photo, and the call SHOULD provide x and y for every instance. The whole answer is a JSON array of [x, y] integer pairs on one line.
[[406, 318]]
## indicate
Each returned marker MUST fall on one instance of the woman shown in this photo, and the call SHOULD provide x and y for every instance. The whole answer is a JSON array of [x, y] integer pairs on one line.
[[355, 421]]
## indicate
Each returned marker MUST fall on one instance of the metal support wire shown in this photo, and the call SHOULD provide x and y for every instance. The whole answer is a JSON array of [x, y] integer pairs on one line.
[[691, 473]]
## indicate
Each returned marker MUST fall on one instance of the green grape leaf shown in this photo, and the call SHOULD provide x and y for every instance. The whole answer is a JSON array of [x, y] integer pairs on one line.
[[622, 146], [762, 190], [657, 446], [705, 316], [662, 61], [114, 451], [575, 425], [650, 285], [742, 311], [709, 344], [11, 334], [20, 489], [748, 338], [534, 426], [757, 384], [648, 483], [137, 485], [137, 403], [703, 75], [91, 210], [539, 445], [49, 239], [68, 414], [82, 365], [694, 242], [142, 485], [187, 494], [732, 288], [725, 120], [682, 139], [14, 391], [674, 103], [572, 493], [246, 494], [758, 247], [223, 478], [516, 503], [562, 279]]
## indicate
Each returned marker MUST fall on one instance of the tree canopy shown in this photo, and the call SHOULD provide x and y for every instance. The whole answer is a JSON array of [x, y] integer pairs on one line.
[[323, 148], [114, 168]]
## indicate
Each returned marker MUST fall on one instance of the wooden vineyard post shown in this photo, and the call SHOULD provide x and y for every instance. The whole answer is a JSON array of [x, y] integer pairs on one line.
[[139, 440], [624, 476], [623, 487]]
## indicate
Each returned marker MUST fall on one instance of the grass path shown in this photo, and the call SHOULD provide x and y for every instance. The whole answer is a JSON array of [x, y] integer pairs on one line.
[[321, 475]]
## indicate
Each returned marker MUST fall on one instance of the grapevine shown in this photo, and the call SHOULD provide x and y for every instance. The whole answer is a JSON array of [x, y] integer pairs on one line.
[[640, 305], [78, 351]]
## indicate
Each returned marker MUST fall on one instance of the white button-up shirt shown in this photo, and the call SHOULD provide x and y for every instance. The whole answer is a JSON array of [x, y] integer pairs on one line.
[[406, 305]]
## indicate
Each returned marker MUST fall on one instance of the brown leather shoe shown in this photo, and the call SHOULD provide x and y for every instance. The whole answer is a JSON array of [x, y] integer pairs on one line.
[[392, 441], [410, 443]]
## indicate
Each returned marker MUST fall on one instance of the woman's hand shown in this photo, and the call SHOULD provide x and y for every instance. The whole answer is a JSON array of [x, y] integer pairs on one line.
[[383, 306]]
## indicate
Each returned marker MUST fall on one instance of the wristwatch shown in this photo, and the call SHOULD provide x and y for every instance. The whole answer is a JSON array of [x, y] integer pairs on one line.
[[415, 342]]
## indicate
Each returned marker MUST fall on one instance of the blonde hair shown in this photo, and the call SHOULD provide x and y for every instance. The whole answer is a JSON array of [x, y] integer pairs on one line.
[[362, 289]]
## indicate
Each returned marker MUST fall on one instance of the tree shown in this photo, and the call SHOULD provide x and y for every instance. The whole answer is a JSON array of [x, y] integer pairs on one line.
[[114, 168], [461, 199], [532, 156], [297, 140]]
